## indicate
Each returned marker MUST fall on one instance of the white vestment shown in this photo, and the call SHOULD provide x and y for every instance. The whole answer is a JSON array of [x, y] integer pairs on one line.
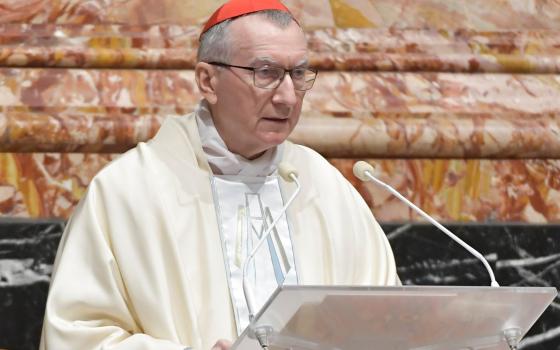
[[141, 265]]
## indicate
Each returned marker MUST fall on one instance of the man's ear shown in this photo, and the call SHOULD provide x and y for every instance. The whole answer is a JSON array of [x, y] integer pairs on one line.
[[205, 75]]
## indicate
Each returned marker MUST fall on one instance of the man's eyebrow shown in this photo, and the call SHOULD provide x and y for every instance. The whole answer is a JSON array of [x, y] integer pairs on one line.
[[302, 63]]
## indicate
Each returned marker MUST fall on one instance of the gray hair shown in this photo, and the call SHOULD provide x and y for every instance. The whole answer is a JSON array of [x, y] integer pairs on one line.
[[215, 42]]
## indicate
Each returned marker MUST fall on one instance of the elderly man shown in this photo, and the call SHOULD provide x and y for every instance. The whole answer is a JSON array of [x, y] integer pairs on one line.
[[152, 257]]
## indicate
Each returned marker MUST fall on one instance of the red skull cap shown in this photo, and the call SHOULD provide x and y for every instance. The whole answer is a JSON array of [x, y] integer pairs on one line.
[[236, 8]]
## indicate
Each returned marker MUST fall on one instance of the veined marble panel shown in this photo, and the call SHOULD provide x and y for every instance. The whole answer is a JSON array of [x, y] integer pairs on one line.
[[344, 93], [334, 93], [27, 252], [174, 47], [50, 185], [45, 185], [464, 190], [344, 115], [76, 130], [431, 135], [452, 14], [104, 90], [521, 255], [98, 45], [448, 14], [435, 49]]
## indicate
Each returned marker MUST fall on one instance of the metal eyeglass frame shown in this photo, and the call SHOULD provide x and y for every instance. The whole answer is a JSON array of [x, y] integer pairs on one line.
[[277, 82]]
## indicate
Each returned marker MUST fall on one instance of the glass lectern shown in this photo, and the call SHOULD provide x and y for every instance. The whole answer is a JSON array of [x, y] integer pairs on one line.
[[396, 318]]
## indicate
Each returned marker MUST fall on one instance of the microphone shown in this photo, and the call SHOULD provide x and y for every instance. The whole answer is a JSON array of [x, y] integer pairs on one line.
[[289, 174], [364, 172]]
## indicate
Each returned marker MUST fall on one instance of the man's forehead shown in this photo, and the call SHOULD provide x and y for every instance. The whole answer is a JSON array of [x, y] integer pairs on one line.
[[259, 25], [255, 38]]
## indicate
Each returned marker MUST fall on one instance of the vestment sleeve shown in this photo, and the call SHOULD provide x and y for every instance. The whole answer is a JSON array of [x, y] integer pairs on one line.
[[88, 306]]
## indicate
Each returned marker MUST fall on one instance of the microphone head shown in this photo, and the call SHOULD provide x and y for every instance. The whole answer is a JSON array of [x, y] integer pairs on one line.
[[360, 168], [285, 170]]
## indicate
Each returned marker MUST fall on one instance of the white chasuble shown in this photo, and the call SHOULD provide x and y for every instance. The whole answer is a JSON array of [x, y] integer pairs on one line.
[[141, 263], [246, 207]]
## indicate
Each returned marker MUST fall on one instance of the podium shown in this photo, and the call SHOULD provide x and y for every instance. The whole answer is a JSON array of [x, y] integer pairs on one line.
[[395, 318]]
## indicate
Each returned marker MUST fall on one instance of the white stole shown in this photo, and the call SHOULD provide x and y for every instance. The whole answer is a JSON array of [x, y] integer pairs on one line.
[[248, 197]]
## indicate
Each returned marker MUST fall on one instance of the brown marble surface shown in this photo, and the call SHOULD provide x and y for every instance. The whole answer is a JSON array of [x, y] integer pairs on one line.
[[45, 185], [174, 47], [50, 185], [344, 115], [447, 14], [382, 136], [437, 135], [465, 190], [436, 49], [382, 35]]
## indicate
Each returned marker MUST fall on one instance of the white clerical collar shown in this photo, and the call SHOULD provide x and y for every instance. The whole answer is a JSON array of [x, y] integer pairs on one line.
[[224, 162]]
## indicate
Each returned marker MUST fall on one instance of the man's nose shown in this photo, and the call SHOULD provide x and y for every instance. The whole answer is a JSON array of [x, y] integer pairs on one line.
[[285, 92]]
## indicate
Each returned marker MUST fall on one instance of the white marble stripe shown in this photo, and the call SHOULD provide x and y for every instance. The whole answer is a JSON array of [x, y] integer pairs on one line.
[[527, 261], [539, 338], [554, 305], [22, 272], [442, 264], [18, 241], [398, 231]]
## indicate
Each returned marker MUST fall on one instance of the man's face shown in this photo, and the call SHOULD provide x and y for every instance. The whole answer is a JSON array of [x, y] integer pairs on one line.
[[252, 119]]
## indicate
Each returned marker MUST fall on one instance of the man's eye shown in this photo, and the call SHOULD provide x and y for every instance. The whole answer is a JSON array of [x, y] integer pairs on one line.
[[298, 73], [267, 72]]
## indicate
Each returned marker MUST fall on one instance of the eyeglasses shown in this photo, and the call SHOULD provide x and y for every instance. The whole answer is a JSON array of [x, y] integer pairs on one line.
[[270, 77]]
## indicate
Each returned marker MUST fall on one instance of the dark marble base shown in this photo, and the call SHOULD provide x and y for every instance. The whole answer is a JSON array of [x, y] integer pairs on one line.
[[521, 255], [27, 251]]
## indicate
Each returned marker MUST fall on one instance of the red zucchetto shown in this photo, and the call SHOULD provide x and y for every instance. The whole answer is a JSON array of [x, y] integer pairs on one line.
[[236, 8]]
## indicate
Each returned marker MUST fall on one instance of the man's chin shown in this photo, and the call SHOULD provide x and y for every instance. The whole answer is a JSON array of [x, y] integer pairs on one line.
[[275, 139]]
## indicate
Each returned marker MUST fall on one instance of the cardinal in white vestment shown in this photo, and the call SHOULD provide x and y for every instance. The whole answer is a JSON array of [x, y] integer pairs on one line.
[[151, 258]]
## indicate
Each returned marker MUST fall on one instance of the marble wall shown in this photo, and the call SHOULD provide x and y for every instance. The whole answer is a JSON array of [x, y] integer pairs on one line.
[[473, 124], [456, 103], [399, 81]]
